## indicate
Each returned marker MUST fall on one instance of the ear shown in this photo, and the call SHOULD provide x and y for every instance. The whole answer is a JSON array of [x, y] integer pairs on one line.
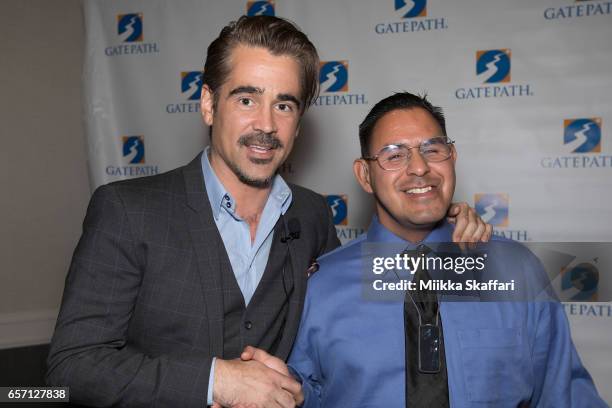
[[206, 105], [453, 154], [361, 169]]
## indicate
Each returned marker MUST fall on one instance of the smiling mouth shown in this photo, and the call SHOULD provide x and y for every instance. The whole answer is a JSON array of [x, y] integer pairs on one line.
[[419, 190], [259, 148], [260, 143]]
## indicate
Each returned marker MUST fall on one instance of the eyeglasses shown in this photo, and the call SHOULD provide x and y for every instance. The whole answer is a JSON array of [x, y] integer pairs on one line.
[[397, 156]]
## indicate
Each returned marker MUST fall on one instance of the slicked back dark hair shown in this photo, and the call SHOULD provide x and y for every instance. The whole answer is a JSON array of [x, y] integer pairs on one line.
[[399, 100], [279, 36]]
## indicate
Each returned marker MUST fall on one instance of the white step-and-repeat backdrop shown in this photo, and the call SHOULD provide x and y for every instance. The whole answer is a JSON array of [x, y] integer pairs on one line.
[[526, 87]]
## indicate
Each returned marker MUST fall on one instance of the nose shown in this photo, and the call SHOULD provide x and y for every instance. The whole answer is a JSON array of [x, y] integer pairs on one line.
[[265, 120], [417, 165]]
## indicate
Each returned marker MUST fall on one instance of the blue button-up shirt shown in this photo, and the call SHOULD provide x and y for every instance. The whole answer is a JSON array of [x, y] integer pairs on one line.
[[350, 351], [248, 258]]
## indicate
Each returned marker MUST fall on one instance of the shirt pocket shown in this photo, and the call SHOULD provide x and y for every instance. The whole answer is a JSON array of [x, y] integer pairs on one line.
[[495, 365]]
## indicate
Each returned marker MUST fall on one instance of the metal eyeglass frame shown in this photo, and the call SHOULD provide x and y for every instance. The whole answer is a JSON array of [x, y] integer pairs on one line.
[[446, 141]]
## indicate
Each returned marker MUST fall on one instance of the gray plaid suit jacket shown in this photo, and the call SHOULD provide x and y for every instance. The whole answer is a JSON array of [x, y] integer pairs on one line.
[[142, 310]]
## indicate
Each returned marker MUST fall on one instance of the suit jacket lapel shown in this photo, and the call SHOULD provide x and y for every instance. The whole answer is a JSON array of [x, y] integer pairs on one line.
[[208, 247]]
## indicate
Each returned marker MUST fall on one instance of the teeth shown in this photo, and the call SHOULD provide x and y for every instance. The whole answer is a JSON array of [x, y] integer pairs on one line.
[[261, 148], [419, 190]]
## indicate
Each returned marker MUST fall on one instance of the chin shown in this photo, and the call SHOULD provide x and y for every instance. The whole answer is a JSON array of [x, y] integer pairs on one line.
[[268, 175], [419, 224], [258, 179], [424, 221], [255, 182]]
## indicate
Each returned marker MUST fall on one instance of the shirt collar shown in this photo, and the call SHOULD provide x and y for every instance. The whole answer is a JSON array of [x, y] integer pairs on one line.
[[379, 233], [281, 193], [220, 198]]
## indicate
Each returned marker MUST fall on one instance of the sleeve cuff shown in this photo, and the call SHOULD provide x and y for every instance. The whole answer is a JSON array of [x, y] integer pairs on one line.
[[211, 382]]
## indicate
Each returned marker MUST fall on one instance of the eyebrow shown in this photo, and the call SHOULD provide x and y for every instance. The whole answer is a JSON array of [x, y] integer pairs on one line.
[[400, 143], [289, 98], [248, 89]]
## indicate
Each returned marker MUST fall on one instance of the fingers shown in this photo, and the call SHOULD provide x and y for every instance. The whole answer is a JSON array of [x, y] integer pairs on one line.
[[289, 392], [488, 233], [246, 384], [299, 399], [469, 227], [481, 228], [253, 353], [460, 213], [248, 353], [291, 385], [284, 399], [472, 226], [453, 210]]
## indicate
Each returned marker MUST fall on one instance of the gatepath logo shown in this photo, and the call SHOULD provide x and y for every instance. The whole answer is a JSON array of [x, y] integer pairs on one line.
[[582, 135], [412, 13], [412, 8], [260, 8], [333, 79], [333, 76], [133, 151], [579, 283], [339, 207], [130, 30], [591, 8], [582, 139], [129, 27], [191, 84], [191, 90], [494, 209], [338, 204], [493, 67]]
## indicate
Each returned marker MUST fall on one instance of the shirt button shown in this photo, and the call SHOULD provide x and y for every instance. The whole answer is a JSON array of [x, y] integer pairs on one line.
[[228, 204], [248, 325]]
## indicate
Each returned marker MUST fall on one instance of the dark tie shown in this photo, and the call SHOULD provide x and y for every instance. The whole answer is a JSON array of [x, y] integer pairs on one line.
[[427, 383]]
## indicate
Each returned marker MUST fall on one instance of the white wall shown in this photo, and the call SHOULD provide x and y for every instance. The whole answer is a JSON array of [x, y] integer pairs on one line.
[[43, 169]]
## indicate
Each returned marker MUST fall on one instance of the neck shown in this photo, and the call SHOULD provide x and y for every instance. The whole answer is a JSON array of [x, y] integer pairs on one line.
[[411, 233], [250, 201]]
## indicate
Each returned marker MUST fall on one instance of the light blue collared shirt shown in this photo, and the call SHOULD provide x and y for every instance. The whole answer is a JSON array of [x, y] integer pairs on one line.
[[248, 258]]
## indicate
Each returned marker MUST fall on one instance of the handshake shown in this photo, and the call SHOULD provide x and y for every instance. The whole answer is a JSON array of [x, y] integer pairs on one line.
[[256, 380]]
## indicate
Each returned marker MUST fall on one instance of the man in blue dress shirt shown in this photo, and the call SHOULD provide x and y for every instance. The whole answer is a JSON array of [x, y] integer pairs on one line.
[[350, 350]]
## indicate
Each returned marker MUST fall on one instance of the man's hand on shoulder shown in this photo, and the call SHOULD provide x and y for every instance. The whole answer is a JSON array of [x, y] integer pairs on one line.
[[469, 227], [252, 383]]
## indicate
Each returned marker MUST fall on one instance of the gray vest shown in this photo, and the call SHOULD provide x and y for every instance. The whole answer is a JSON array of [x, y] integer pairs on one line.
[[260, 324]]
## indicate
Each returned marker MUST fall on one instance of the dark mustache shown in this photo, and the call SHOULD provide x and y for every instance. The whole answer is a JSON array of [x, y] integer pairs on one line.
[[261, 139]]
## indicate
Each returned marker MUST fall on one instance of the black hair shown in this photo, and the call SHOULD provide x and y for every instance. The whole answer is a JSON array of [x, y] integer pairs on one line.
[[399, 100]]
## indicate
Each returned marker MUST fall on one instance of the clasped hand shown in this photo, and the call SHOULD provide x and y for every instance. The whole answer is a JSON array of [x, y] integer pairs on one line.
[[256, 380]]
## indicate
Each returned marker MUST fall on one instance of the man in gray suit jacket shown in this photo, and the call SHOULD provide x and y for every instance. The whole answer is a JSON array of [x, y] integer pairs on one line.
[[176, 273]]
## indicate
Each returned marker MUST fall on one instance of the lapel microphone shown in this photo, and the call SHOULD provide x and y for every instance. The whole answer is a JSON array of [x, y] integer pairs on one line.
[[292, 230]]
